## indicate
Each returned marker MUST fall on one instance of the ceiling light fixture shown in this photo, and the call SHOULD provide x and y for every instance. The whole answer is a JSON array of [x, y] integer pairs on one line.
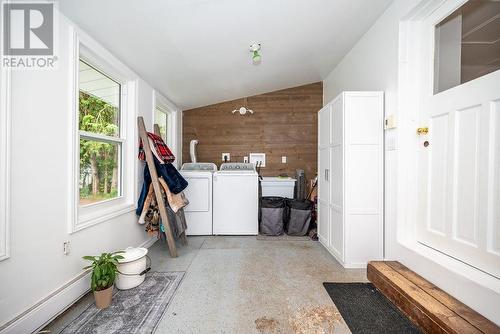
[[256, 57]]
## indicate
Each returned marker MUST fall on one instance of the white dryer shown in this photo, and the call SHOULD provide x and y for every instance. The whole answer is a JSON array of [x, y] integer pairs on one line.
[[199, 211], [236, 200]]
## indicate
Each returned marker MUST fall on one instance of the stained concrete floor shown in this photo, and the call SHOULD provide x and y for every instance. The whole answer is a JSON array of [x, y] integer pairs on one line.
[[245, 285]]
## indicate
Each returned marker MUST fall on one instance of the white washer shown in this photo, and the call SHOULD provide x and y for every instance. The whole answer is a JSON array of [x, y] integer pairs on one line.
[[199, 193], [236, 200]]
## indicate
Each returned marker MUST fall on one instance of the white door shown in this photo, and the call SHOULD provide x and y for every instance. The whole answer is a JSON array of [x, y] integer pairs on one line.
[[323, 175], [459, 158]]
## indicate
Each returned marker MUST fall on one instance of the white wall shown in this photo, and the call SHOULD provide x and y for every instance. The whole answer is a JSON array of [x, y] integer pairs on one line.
[[373, 65], [41, 116]]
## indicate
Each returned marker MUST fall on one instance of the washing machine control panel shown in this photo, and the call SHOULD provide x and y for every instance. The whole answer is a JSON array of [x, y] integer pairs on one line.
[[237, 167]]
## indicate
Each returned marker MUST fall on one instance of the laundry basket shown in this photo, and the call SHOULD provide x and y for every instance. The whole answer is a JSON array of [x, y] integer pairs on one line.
[[272, 219], [299, 212], [132, 268]]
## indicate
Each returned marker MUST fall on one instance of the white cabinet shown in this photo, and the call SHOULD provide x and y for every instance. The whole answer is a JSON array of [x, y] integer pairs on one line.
[[323, 170], [351, 177]]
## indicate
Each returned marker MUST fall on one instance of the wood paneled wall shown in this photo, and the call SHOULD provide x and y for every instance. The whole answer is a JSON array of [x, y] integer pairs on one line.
[[284, 124]]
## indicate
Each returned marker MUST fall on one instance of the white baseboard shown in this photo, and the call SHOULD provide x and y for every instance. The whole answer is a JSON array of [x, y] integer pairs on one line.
[[43, 312], [148, 243]]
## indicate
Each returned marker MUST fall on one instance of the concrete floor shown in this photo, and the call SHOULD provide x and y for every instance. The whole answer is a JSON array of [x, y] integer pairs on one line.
[[246, 285]]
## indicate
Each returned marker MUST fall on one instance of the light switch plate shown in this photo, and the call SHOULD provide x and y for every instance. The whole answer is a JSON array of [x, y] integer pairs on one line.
[[283, 159], [390, 122], [228, 155]]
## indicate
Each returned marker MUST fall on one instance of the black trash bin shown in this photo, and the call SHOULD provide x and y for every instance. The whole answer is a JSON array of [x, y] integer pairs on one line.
[[272, 215], [299, 213]]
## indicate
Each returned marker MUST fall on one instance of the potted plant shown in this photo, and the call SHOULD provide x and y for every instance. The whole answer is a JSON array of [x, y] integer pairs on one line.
[[104, 270]]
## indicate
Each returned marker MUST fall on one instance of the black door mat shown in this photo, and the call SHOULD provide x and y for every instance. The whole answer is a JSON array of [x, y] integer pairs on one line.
[[366, 310]]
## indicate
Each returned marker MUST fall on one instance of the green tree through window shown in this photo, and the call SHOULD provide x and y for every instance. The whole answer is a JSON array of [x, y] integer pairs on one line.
[[99, 131]]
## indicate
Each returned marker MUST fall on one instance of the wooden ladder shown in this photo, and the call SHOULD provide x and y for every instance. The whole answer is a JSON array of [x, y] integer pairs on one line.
[[157, 188]]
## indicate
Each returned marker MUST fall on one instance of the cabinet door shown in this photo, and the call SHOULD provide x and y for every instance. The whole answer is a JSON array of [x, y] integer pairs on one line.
[[336, 176], [337, 121], [324, 133], [324, 174], [364, 172], [324, 223], [337, 201], [324, 195], [337, 179]]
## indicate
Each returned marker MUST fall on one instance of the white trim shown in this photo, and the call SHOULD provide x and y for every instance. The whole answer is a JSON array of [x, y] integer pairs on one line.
[[100, 137], [180, 125], [81, 217], [73, 164], [100, 216], [43, 312], [5, 125]]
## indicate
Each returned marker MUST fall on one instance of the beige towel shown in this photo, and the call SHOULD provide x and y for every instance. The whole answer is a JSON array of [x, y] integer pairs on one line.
[[176, 201], [147, 204]]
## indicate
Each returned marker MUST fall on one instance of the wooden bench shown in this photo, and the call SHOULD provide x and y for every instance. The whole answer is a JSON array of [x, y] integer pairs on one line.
[[429, 307]]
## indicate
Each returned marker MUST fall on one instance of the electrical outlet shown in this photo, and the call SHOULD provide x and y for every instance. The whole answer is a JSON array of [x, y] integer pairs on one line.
[[283, 159], [66, 249], [224, 155], [245, 160]]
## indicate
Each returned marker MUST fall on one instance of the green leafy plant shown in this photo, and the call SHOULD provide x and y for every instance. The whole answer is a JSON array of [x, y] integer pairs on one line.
[[104, 270]]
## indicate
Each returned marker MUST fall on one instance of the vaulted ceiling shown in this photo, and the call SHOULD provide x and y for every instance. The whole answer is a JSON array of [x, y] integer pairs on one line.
[[196, 52]]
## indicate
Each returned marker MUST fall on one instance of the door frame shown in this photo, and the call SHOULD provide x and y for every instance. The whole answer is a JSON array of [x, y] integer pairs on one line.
[[412, 84]]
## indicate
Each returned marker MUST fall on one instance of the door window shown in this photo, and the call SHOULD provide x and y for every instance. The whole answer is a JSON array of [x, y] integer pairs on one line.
[[467, 44]]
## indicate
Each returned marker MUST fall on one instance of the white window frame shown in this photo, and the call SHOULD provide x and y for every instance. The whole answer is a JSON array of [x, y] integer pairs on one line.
[[168, 113], [96, 56], [119, 140], [5, 108], [164, 105]]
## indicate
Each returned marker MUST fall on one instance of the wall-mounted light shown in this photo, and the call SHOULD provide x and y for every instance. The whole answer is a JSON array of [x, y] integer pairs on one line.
[[243, 110], [254, 49]]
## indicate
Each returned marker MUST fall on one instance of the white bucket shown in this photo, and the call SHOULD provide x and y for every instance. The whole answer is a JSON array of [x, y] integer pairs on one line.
[[132, 268]]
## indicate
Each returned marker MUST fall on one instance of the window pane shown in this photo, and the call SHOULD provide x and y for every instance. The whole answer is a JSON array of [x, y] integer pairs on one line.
[[161, 119], [99, 171], [99, 102], [467, 44]]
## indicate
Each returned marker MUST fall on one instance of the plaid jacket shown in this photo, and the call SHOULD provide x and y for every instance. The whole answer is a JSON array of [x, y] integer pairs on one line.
[[162, 150]]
